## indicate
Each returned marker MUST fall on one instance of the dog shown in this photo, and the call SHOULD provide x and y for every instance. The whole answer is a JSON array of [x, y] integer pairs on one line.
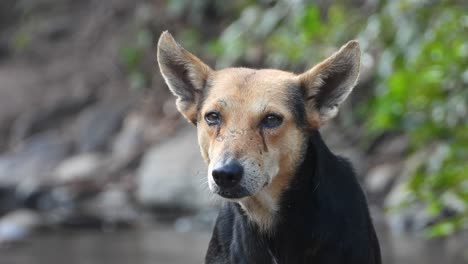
[[289, 198]]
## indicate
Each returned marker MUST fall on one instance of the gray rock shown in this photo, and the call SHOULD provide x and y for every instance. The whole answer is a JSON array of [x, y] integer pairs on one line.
[[17, 225], [354, 156], [81, 167], [33, 161], [379, 178], [129, 144], [8, 13], [97, 125], [112, 206], [388, 148], [52, 115], [173, 174], [411, 218]]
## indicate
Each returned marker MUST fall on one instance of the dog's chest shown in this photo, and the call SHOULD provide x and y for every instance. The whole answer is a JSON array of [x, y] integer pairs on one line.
[[273, 259]]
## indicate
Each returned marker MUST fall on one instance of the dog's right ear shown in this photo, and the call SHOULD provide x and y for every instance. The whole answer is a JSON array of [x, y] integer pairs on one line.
[[185, 74], [328, 83]]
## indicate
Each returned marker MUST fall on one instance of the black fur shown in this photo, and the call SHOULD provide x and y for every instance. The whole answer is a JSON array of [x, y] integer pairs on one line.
[[296, 104], [323, 219]]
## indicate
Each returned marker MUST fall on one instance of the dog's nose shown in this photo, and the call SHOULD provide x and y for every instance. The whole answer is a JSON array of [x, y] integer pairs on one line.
[[228, 175]]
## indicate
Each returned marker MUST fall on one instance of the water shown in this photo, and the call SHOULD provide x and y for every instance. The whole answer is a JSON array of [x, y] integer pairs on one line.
[[158, 245], [162, 244]]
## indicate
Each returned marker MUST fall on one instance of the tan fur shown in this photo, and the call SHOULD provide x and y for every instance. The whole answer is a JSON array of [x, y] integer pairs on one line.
[[170, 53], [243, 97]]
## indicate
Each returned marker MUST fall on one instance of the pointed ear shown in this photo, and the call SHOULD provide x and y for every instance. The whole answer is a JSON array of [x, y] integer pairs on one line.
[[184, 73], [328, 83]]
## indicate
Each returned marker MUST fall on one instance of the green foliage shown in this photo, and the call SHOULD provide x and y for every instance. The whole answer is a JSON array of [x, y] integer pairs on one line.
[[132, 56], [284, 35], [426, 96]]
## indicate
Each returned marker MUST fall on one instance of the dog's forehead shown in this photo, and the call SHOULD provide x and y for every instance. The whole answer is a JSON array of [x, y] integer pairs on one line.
[[244, 85]]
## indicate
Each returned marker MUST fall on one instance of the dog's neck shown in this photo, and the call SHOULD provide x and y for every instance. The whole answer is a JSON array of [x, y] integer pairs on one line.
[[261, 209]]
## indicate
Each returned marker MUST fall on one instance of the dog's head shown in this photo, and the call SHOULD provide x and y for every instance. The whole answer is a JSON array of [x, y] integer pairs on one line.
[[253, 124]]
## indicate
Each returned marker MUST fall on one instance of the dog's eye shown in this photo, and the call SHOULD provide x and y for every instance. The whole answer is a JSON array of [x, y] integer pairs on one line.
[[212, 118], [271, 121]]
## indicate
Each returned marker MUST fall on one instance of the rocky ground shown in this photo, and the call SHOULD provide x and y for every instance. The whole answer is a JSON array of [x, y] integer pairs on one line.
[[83, 148]]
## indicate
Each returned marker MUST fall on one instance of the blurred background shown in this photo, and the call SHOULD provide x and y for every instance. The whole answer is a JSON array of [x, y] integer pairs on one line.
[[97, 166]]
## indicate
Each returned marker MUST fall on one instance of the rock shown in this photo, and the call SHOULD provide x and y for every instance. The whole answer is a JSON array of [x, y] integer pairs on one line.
[[57, 200], [379, 179], [97, 125], [342, 144], [17, 225], [113, 206], [173, 175], [354, 156], [108, 209], [5, 49], [56, 29], [25, 172], [44, 199], [388, 148], [8, 13], [33, 161], [81, 167], [129, 144], [52, 115], [8, 199], [410, 218]]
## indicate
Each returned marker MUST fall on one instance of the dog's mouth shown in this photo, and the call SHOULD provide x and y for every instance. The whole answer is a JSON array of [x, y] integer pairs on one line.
[[237, 192]]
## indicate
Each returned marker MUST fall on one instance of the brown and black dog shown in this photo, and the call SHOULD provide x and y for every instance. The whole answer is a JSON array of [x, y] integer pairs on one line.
[[289, 199]]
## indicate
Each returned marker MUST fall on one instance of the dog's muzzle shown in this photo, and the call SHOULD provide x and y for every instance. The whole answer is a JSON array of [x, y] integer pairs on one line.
[[228, 177]]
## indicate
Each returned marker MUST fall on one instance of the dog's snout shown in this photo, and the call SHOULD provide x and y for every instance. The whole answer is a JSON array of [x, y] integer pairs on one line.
[[228, 175]]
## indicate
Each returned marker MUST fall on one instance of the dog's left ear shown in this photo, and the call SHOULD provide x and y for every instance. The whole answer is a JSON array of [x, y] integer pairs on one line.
[[184, 73], [328, 83]]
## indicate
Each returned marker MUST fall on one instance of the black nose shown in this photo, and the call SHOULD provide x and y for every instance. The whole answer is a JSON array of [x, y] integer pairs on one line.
[[228, 175]]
